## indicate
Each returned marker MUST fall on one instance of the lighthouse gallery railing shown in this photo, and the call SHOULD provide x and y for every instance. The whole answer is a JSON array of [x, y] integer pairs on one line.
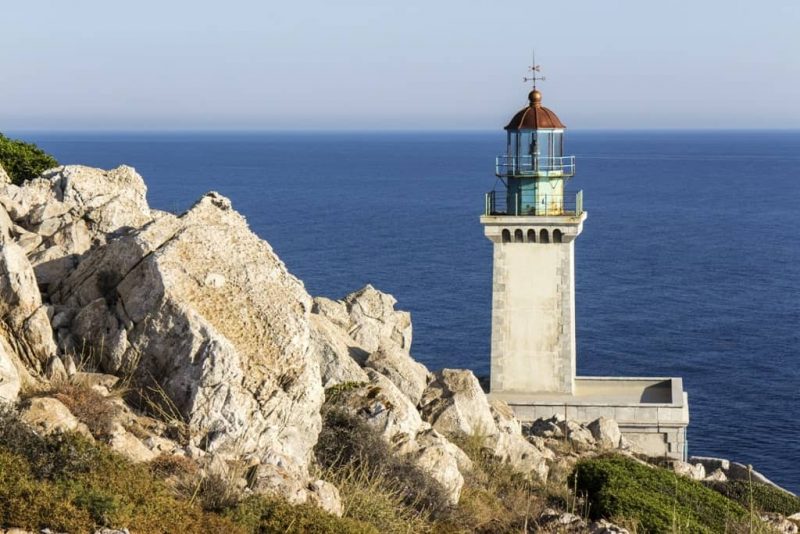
[[507, 165], [530, 204]]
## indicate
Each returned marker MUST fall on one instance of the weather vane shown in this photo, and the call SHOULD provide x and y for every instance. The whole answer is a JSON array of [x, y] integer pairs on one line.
[[534, 70]]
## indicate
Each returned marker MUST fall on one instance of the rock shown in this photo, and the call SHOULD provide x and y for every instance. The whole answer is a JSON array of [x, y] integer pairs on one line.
[[504, 417], [547, 428], [605, 432], [395, 363], [606, 527], [233, 360], [49, 415], [24, 321], [794, 517], [779, 523], [454, 403], [4, 177], [56, 372], [578, 434], [523, 457], [10, 382], [130, 446], [384, 407], [373, 319], [718, 475], [334, 311], [95, 379], [711, 464], [442, 460], [695, 472], [561, 521], [69, 365], [335, 352], [326, 496]]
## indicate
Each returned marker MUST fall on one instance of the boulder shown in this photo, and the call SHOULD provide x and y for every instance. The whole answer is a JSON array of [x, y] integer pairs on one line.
[[779, 524], [337, 354], [129, 445], [396, 364], [606, 527], [454, 403], [4, 177], [10, 382], [718, 475], [384, 407], [333, 310], [326, 496], [373, 319], [695, 472], [23, 320], [711, 464], [229, 354], [605, 432]]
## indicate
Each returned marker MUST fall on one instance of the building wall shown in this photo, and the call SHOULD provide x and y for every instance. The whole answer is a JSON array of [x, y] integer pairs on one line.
[[533, 317]]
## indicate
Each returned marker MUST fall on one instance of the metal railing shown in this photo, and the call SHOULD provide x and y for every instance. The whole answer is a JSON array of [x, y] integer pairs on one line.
[[531, 204], [507, 165]]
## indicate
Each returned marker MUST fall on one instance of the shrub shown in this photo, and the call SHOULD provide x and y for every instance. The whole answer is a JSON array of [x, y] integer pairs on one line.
[[23, 161], [765, 497], [268, 514], [88, 406], [657, 499]]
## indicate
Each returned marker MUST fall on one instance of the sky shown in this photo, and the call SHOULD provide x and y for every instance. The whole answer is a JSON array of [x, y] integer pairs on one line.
[[396, 65]]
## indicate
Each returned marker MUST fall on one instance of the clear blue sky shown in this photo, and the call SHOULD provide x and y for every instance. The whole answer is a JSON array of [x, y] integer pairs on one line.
[[409, 64]]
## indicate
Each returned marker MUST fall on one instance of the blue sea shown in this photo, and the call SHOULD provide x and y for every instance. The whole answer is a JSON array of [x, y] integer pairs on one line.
[[689, 263]]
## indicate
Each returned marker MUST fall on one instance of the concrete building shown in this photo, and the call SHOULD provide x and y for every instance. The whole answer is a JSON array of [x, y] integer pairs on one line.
[[533, 224]]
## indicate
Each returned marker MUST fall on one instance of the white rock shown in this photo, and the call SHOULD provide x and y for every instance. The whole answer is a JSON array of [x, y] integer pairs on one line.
[[326, 496], [695, 472], [10, 382], [395, 363], [335, 352], [454, 403], [56, 373], [373, 319], [605, 432], [234, 360], [130, 446], [718, 475]]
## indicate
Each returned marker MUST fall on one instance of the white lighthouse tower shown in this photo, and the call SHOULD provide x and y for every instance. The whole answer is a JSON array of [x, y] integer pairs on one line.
[[533, 225], [533, 222]]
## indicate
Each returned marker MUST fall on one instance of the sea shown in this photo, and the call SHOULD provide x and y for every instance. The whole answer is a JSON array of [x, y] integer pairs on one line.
[[688, 265]]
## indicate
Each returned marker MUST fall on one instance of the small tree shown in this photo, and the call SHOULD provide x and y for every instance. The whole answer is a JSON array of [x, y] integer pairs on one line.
[[23, 161]]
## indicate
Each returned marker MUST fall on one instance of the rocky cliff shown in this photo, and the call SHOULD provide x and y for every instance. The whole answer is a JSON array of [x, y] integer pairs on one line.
[[210, 350]]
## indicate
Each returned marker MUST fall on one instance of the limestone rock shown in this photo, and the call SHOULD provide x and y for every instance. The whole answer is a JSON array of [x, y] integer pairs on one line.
[[454, 403], [335, 352], [711, 464], [695, 472], [333, 310], [56, 372], [605, 432], [23, 319], [548, 428], [504, 417], [326, 496], [395, 363], [606, 527], [130, 446], [718, 475], [49, 415], [233, 359], [561, 521], [373, 319], [384, 407], [779, 524], [10, 382], [4, 177]]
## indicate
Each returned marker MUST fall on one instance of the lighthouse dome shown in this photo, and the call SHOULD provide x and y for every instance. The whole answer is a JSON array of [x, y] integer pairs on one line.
[[535, 116]]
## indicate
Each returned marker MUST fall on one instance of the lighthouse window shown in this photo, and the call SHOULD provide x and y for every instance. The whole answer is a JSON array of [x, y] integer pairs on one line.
[[543, 237], [531, 236], [518, 236], [506, 236]]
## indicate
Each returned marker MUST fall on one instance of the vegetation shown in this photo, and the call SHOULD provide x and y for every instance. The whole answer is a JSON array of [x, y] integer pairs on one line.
[[655, 499], [765, 498], [68, 484], [23, 161]]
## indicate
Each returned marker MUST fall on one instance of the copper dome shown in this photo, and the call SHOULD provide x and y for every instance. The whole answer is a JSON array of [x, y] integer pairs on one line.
[[535, 116]]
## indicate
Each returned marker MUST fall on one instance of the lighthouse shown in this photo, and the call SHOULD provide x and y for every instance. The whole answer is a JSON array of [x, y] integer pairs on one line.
[[533, 219]]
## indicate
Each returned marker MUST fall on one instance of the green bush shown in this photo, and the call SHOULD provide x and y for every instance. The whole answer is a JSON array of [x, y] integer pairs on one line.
[[656, 499], [23, 161], [261, 514], [765, 497]]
